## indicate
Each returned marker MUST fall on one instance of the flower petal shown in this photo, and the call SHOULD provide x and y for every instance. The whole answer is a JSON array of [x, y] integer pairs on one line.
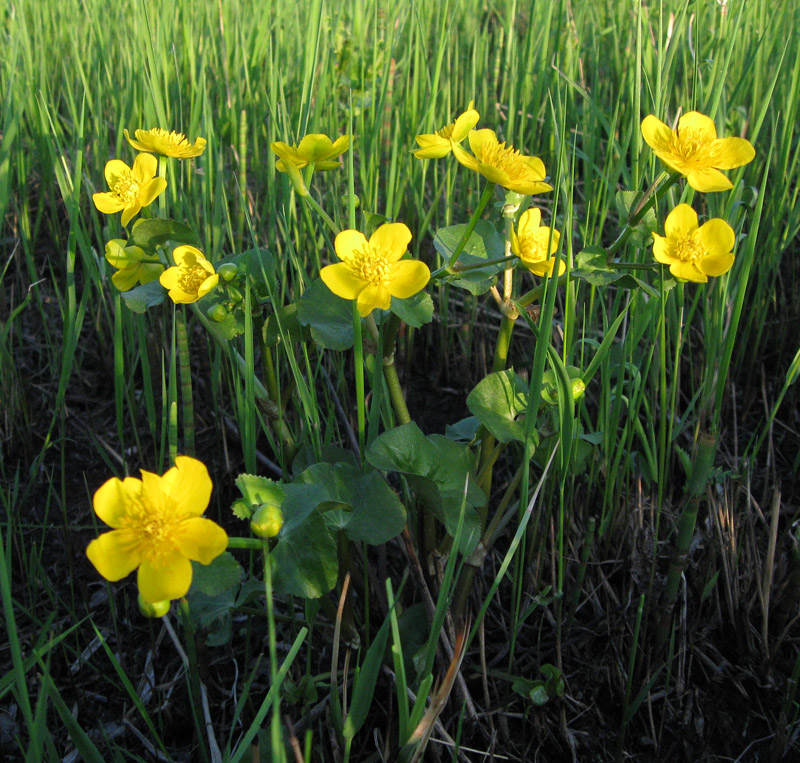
[[496, 175], [108, 203], [189, 485], [687, 271], [112, 499], [134, 143], [469, 161], [151, 190], [314, 147], [340, 145], [125, 279], [200, 539], [656, 134], [168, 578], [114, 554], [187, 256], [529, 220], [700, 125], [131, 211], [433, 147], [114, 169], [374, 295], [681, 222], [342, 281], [728, 153], [207, 286], [480, 138], [536, 166], [716, 237], [392, 239], [663, 250], [410, 276], [464, 124], [708, 180], [150, 271], [145, 167], [170, 278], [349, 241], [716, 264]]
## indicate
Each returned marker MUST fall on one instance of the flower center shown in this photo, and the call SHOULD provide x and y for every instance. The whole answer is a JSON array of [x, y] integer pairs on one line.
[[689, 250], [690, 144], [531, 248], [191, 279], [125, 187], [446, 131], [371, 265], [153, 526], [505, 159]]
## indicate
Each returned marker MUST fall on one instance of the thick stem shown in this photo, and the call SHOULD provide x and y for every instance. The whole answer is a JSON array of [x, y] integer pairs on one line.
[[185, 369]]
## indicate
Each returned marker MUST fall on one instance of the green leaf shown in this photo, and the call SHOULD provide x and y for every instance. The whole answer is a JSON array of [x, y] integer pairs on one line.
[[149, 233], [257, 490], [496, 401], [626, 202], [416, 311], [259, 266], [149, 295], [592, 266], [464, 430], [232, 323], [484, 243], [212, 596], [212, 579], [290, 322], [330, 317]]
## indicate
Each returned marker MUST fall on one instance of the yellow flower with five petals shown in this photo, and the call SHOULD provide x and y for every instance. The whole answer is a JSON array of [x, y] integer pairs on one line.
[[314, 149], [694, 252], [158, 528], [502, 164], [160, 141], [372, 272], [131, 189], [191, 278], [436, 145], [133, 264], [695, 151], [530, 243]]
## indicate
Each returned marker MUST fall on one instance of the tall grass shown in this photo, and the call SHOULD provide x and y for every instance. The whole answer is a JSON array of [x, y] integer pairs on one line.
[[89, 388]]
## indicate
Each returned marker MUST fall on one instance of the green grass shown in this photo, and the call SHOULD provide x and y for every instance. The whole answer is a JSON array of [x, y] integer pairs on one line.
[[580, 556]]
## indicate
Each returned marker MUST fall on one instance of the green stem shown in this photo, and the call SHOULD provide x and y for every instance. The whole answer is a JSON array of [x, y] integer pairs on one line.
[[162, 173], [322, 213], [390, 371], [275, 726], [476, 215], [185, 370]]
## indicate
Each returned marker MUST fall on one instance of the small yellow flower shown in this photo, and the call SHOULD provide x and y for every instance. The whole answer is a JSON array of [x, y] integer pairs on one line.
[[131, 189], [694, 253], [502, 164], [192, 277], [372, 272], [436, 145], [529, 242], [314, 149], [160, 141], [695, 151], [157, 528], [133, 264]]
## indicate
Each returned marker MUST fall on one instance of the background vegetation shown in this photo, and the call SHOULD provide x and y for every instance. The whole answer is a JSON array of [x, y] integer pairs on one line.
[[87, 385]]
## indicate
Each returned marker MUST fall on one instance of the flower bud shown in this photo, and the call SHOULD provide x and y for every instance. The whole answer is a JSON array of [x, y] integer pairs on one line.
[[267, 520], [228, 271], [153, 608], [217, 313]]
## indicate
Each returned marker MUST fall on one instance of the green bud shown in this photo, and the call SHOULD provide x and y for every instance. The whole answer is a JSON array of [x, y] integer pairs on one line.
[[153, 608], [267, 520], [228, 271], [217, 313]]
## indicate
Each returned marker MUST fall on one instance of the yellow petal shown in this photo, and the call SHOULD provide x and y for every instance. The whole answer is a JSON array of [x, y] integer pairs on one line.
[[536, 166], [187, 256], [314, 147], [543, 236], [433, 147], [125, 279], [342, 281], [112, 498], [480, 138], [326, 164], [200, 539], [716, 264], [392, 239], [189, 485], [464, 124], [151, 190], [463, 157], [114, 554], [716, 237], [145, 167], [663, 250], [169, 578], [134, 143], [699, 124], [207, 286], [114, 169], [529, 221], [130, 212], [349, 241], [656, 134], [170, 278], [372, 296], [681, 222], [496, 175], [340, 145], [687, 271], [728, 153], [708, 180], [108, 203], [410, 276]]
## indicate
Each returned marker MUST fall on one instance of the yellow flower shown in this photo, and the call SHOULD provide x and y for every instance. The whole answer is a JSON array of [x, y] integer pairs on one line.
[[157, 528], [529, 242], [192, 277], [131, 189], [436, 145], [695, 151], [168, 143], [502, 164], [372, 272], [693, 252], [315, 149], [133, 263]]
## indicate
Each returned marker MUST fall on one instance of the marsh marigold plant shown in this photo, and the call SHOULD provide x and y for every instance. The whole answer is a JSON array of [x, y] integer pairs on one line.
[[192, 276], [160, 141], [131, 188], [502, 164], [694, 252], [695, 151], [372, 272], [158, 528], [533, 244], [437, 145], [314, 149]]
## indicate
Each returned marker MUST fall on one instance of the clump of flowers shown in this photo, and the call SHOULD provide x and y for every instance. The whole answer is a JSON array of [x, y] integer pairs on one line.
[[158, 528], [131, 188], [502, 164], [160, 141], [695, 151], [534, 245], [372, 272], [437, 145], [191, 278], [694, 252]]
